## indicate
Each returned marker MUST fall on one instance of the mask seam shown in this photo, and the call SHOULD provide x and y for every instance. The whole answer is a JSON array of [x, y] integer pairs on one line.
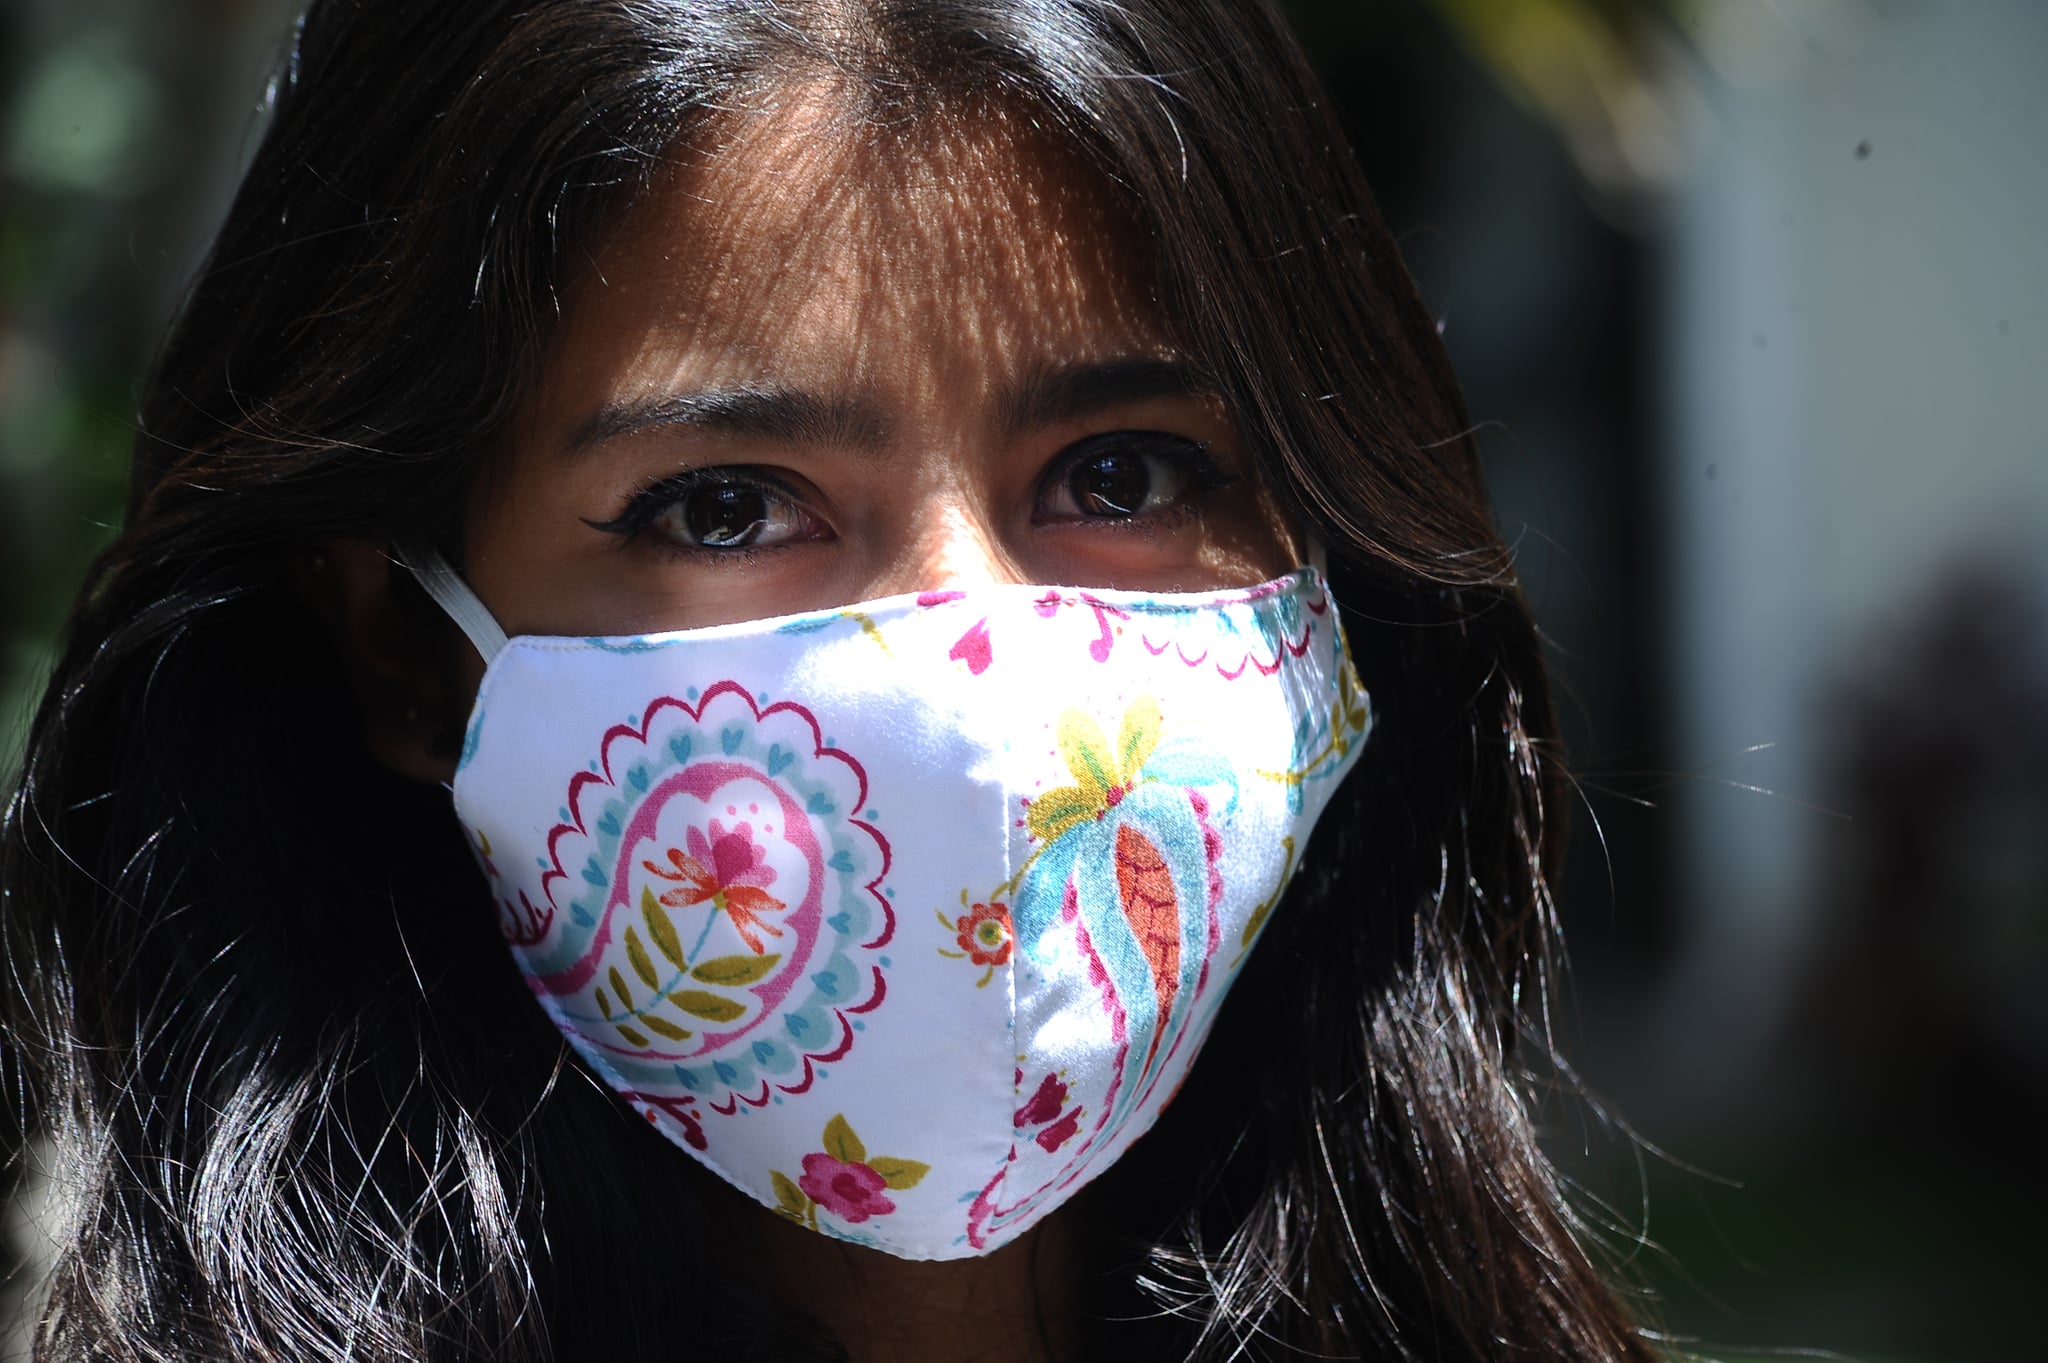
[[1007, 1133], [1301, 581]]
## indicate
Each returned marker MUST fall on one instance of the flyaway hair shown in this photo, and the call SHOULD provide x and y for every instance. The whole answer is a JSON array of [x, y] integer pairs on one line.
[[278, 1148]]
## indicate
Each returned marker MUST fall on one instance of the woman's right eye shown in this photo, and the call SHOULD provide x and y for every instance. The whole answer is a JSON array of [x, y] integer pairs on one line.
[[717, 510]]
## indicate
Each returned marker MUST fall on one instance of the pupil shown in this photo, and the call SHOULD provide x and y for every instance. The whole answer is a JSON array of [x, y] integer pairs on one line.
[[1110, 485], [725, 517]]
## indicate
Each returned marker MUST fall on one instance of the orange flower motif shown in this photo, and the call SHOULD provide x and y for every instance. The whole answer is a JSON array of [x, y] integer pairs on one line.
[[984, 935], [728, 869]]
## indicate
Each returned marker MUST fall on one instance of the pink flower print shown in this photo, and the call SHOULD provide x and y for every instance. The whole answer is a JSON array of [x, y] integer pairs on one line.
[[844, 1179], [1051, 1138], [851, 1192], [735, 857], [729, 869], [1042, 1110], [1045, 1104]]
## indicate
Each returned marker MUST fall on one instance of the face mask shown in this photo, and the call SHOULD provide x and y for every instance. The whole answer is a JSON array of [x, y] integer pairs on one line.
[[905, 918]]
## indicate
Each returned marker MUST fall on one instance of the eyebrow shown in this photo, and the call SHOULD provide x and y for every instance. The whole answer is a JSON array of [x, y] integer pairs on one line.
[[786, 415], [1044, 397], [1051, 395]]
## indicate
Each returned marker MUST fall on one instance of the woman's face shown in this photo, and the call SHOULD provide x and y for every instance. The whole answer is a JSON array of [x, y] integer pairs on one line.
[[818, 366]]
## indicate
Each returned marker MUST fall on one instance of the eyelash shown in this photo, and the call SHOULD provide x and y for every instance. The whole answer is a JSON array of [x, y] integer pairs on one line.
[[647, 505], [1191, 459]]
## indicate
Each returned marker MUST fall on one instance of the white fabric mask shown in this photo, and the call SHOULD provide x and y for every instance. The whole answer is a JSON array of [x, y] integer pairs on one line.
[[905, 918]]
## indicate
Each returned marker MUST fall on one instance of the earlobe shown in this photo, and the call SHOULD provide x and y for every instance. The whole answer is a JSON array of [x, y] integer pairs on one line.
[[411, 673]]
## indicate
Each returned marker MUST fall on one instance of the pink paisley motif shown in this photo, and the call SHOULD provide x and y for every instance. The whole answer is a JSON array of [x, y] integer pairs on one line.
[[734, 863], [1051, 1138], [576, 976], [1044, 1104], [762, 1095], [703, 780]]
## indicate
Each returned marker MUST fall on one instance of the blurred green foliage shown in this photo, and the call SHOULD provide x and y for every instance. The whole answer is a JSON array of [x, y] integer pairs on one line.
[[85, 138]]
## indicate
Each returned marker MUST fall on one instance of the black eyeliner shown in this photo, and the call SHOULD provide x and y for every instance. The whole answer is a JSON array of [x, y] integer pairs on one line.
[[1193, 457], [656, 497]]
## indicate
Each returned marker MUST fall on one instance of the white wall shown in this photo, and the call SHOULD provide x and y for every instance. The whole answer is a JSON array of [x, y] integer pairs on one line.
[[1857, 399]]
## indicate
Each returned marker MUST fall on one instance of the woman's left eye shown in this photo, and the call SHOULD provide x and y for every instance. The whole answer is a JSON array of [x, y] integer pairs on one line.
[[1125, 475], [718, 510]]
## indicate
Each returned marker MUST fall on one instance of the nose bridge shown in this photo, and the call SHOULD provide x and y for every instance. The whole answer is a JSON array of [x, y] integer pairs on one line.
[[950, 542]]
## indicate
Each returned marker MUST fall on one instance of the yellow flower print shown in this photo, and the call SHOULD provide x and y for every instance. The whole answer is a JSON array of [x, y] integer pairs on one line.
[[1103, 774]]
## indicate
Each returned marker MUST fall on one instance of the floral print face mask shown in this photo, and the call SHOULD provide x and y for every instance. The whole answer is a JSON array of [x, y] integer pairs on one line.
[[905, 918]]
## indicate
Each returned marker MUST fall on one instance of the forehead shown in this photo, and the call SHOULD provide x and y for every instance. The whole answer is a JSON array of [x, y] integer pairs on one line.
[[798, 245]]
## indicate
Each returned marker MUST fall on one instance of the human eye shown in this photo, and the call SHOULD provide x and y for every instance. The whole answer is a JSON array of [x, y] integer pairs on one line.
[[717, 510], [1128, 475]]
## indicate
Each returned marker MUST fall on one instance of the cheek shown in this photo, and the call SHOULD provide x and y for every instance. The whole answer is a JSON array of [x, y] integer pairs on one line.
[[1250, 538]]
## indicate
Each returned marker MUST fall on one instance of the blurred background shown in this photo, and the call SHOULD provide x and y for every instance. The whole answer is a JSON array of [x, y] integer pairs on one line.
[[1751, 300]]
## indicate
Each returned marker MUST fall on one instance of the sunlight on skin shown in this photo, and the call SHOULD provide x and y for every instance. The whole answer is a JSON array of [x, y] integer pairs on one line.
[[913, 281], [919, 274]]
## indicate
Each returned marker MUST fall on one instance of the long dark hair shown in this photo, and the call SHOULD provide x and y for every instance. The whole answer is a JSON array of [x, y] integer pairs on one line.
[[299, 1121]]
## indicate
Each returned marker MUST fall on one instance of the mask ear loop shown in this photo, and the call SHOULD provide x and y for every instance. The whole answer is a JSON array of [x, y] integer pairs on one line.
[[1318, 559], [454, 597]]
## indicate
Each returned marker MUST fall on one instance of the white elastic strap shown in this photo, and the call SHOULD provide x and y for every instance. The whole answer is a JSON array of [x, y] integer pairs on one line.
[[453, 595], [1317, 559]]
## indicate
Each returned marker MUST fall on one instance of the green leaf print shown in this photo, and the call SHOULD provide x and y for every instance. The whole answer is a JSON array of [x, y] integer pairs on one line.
[[662, 929], [841, 1144], [789, 1198], [664, 1028], [731, 971], [637, 954], [899, 1174], [699, 1004]]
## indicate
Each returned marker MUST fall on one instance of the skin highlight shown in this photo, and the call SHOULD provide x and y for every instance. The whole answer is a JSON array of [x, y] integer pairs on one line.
[[926, 286]]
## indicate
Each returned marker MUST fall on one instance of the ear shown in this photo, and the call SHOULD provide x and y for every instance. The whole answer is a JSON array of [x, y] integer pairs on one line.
[[412, 673]]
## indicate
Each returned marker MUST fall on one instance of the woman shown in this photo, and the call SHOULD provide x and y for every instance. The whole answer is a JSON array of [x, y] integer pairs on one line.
[[596, 321]]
